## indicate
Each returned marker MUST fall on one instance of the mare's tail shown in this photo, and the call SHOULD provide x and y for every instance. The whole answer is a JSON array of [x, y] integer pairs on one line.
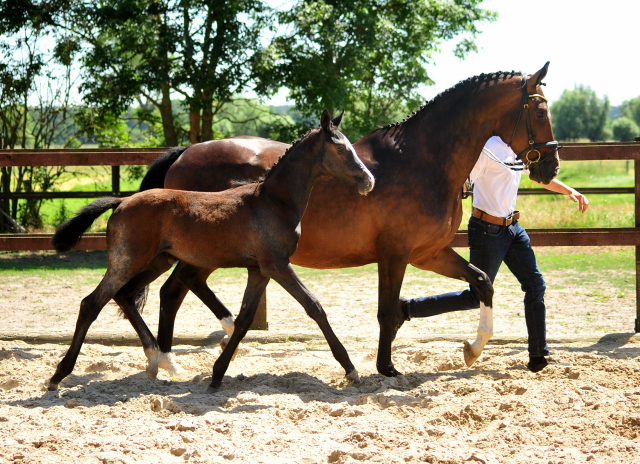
[[154, 178], [69, 232]]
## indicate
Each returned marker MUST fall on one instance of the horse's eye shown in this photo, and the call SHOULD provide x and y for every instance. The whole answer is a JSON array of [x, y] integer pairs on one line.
[[340, 148], [541, 114]]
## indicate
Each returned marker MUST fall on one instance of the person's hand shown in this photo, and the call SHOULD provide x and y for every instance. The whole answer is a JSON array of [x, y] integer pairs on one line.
[[579, 198]]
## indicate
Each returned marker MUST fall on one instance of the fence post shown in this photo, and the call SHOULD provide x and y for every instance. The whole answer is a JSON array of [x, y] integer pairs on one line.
[[115, 180], [260, 319], [637, 221]]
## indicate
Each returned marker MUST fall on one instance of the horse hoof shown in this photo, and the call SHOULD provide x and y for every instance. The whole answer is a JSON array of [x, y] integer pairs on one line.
[[153, 374], [53, 386], [469, 355], [389, 371], [167, 363], [353, 377], [214, 386]]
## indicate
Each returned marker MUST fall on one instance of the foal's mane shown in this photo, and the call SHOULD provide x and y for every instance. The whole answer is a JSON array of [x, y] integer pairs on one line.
[[458, 88]]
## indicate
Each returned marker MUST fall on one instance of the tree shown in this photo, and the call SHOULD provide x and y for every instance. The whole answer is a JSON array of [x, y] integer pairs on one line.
[[365, 56], [35, 110], [201, 50], [625, 129], [579, 113], [631, 109]]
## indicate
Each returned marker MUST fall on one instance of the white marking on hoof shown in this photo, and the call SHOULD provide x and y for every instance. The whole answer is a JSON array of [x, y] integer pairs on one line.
[[152, 365], [167, 363], [472, 351], [353, 377], [229, 325]]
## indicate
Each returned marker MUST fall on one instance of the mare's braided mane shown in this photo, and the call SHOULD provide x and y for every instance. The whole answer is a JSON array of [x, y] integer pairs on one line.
[[460, 86]]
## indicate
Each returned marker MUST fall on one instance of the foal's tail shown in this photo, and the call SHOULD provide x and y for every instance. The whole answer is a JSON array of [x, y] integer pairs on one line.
[[69, 232]]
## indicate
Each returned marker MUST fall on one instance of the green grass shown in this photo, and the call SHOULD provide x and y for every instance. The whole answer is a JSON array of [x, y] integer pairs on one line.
[[588, 266]]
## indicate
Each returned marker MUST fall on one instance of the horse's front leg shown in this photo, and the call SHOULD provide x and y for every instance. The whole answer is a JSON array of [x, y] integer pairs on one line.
[[391, 269], [256, 284], [450, 264], [288, 279]]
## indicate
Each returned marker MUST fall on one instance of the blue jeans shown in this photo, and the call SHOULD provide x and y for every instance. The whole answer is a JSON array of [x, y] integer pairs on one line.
[[490, 245]]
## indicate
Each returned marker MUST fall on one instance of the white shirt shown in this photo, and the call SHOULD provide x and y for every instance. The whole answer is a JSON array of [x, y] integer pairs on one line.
[[496, 184]]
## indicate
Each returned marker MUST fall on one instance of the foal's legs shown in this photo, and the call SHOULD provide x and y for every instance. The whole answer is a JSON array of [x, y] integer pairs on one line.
[[450, 264], [256, 284], [126, 299], [287, 278], [89, 310], [186, 277]]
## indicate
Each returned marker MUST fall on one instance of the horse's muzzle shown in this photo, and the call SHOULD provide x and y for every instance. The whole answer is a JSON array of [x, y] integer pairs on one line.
[[366, 184]]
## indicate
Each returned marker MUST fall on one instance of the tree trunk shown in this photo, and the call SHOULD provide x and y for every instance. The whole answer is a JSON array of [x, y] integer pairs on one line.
[[207, 120], [168, 125], [194, 119]]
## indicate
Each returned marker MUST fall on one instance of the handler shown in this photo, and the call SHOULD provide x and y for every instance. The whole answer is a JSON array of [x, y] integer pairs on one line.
[[495, 236]]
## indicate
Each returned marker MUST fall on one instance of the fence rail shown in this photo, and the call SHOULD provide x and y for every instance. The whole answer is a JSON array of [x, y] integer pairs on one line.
[[117, 157]]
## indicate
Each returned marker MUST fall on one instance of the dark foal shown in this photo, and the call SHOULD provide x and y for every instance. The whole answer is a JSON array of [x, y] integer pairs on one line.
[[256, 226], [411, 217]]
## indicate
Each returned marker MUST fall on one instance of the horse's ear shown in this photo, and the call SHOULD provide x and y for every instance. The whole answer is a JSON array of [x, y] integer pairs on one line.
[[537, 77], [325, 120], [337, 120]]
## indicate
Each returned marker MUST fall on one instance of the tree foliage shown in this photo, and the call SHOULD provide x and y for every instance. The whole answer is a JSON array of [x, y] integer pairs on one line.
[[631, 109], [625, 129], [35, 109], [579, 113], [201, 50], [365, 56]]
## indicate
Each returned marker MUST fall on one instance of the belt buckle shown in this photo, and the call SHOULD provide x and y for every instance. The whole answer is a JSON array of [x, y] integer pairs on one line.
[[509, 219]]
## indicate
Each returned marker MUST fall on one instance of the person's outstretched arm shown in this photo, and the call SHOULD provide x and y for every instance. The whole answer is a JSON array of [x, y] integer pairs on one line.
[[558, 187]]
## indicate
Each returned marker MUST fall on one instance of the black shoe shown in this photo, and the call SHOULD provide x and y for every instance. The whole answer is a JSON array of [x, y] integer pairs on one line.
[[537, 363]]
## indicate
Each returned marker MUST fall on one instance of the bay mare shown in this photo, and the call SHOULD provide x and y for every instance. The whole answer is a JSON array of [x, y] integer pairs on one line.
[[411, 217], [256, 226]]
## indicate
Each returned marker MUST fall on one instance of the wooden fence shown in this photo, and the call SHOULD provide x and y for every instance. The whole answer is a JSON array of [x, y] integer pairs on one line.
[[117, 157]]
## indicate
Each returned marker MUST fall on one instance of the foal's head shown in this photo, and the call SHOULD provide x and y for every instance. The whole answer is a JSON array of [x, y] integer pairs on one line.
[[339, 159]]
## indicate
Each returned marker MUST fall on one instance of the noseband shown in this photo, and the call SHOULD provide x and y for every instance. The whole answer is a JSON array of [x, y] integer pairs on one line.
[[533, 147]]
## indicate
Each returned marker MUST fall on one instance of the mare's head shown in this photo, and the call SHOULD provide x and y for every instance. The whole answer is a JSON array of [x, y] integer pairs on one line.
[[528, 130], [339, 159]]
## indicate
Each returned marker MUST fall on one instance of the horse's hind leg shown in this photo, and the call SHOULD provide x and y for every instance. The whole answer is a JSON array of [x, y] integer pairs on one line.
[[89, 310], [126, 299], [287, 278], [195, 278], [256, 283], [186, 277], [450, 264]]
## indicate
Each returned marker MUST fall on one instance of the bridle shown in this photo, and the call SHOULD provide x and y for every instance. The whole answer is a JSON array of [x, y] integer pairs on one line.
[[533, 147]]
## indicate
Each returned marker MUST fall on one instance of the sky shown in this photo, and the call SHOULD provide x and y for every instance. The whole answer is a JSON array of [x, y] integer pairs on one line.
[[588, 42]]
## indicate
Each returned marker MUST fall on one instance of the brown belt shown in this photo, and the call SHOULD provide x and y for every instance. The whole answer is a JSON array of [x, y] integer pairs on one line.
[[496, 220]]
